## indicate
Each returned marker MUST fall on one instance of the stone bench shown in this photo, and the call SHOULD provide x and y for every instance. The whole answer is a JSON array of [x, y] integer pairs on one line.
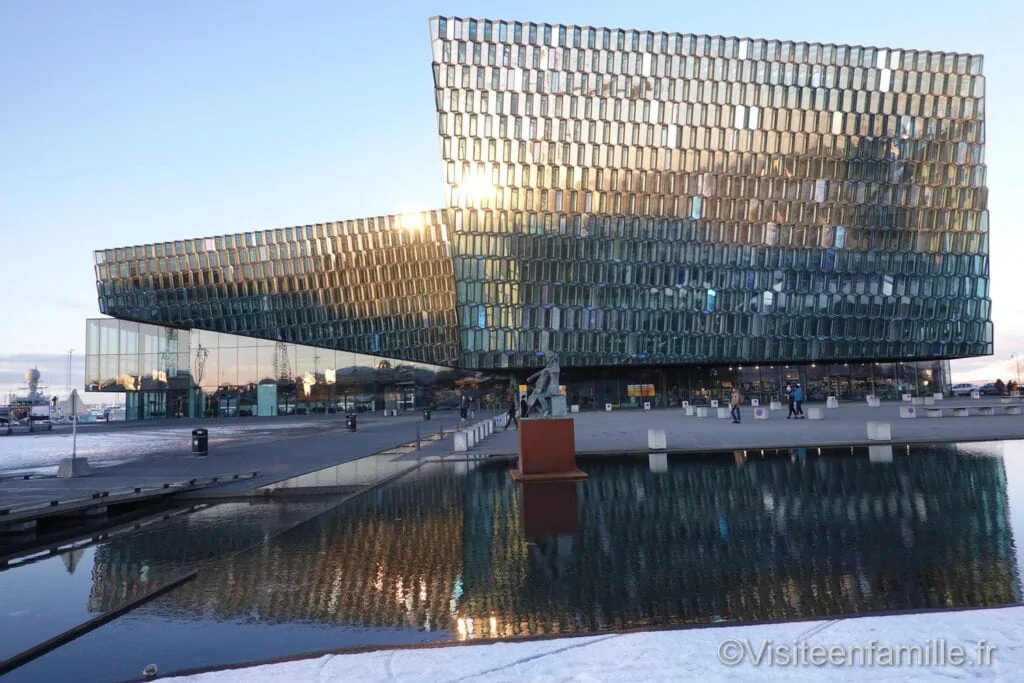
[[1013, 410], [723, 413], [934, 412], [656, 440], [702, 411], [879, 431], [986, 410], [815, 414], [961, 412]]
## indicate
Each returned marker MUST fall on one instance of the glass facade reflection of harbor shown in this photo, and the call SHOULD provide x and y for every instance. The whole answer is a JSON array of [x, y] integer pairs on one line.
[[168, 372], [796, 534]]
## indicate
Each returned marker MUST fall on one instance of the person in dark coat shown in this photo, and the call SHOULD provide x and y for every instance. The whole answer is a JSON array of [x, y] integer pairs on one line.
[[524, 408], [510, 415]]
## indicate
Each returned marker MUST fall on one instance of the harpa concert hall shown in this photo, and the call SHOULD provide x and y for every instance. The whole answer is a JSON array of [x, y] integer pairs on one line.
[[672, 214]]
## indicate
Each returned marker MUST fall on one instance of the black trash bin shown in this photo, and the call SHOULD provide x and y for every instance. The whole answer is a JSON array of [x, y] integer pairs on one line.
[[426, 414], [350, 422], [200, 442]]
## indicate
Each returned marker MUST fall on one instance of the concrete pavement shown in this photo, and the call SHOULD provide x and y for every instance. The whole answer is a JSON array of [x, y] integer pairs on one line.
[[625, 431], [276, 454]]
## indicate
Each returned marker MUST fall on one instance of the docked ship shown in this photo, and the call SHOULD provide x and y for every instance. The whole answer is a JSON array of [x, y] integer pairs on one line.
[[33, 409]]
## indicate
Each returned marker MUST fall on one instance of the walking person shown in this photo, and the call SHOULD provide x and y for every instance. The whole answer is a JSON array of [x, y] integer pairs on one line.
[[524, 407], [791, 401], [734, 403], [798, 399], [510, 415]]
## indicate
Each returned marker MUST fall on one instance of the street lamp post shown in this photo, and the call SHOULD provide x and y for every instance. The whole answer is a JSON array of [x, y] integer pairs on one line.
[[1016, 358]]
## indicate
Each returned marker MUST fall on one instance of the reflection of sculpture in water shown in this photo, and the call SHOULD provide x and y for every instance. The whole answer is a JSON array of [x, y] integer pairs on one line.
[[546, 385]]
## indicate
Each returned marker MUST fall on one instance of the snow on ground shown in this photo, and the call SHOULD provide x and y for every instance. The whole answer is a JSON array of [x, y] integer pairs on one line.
[[947, 645], [40, 452]]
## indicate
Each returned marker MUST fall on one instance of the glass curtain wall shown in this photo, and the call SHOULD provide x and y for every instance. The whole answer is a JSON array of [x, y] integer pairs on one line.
[[166, 372], [592, 388]]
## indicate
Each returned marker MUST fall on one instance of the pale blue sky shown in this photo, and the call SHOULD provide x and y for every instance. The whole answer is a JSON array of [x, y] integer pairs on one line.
[[131, 122]]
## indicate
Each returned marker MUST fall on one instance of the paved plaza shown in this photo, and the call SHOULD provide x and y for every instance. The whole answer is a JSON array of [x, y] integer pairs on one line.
[[314, 444], [625, 431], [275, 453]]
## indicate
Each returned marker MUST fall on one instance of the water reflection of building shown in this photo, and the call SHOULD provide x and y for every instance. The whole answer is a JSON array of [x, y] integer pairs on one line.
[[770, 540], [702, 542], [390, 559]]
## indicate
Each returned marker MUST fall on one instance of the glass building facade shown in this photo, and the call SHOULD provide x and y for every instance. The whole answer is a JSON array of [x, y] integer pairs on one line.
[[639, 197], [672, 212], [169, 372]]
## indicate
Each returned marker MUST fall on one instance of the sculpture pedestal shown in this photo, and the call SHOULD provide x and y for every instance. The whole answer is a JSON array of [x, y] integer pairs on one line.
[[549, 508], [547, 450]]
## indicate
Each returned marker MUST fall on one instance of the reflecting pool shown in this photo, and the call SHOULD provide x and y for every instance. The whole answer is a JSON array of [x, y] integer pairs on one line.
[[457, 550]]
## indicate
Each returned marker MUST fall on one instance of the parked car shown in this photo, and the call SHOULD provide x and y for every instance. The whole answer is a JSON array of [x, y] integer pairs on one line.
[[963, 389], [988, 389]]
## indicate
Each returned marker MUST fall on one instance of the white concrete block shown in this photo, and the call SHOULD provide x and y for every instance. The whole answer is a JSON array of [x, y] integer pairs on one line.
[[760, 414], [607, 407], [723, 413], [880, 453], [461, 442], [831, 402], [869, 398], [986, 410], [908, 412], [647, 405], [961, 412], [775, 405], [929, 401], [685, 403], [656, 440], [1013, 410], [574, 408], [875, 402], [470, 438], [754, 402], [714, 403], [1006, 400], [934, 412], [658, 462], [68, 468], [815, 414], [917, 401], [907, 398], [879, 431], [976, 395], [702, 411], [688, 411], [937, 396]]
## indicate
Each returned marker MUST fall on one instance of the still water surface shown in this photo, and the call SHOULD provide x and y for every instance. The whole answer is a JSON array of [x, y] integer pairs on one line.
[[458, 551]]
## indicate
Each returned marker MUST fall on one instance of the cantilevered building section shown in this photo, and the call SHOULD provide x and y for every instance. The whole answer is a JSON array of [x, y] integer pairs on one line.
[[644, 197], [379, 285], [660, 209]]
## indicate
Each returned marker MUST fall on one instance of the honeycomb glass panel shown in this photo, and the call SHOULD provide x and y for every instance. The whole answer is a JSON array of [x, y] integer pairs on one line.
[[836, 164]]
